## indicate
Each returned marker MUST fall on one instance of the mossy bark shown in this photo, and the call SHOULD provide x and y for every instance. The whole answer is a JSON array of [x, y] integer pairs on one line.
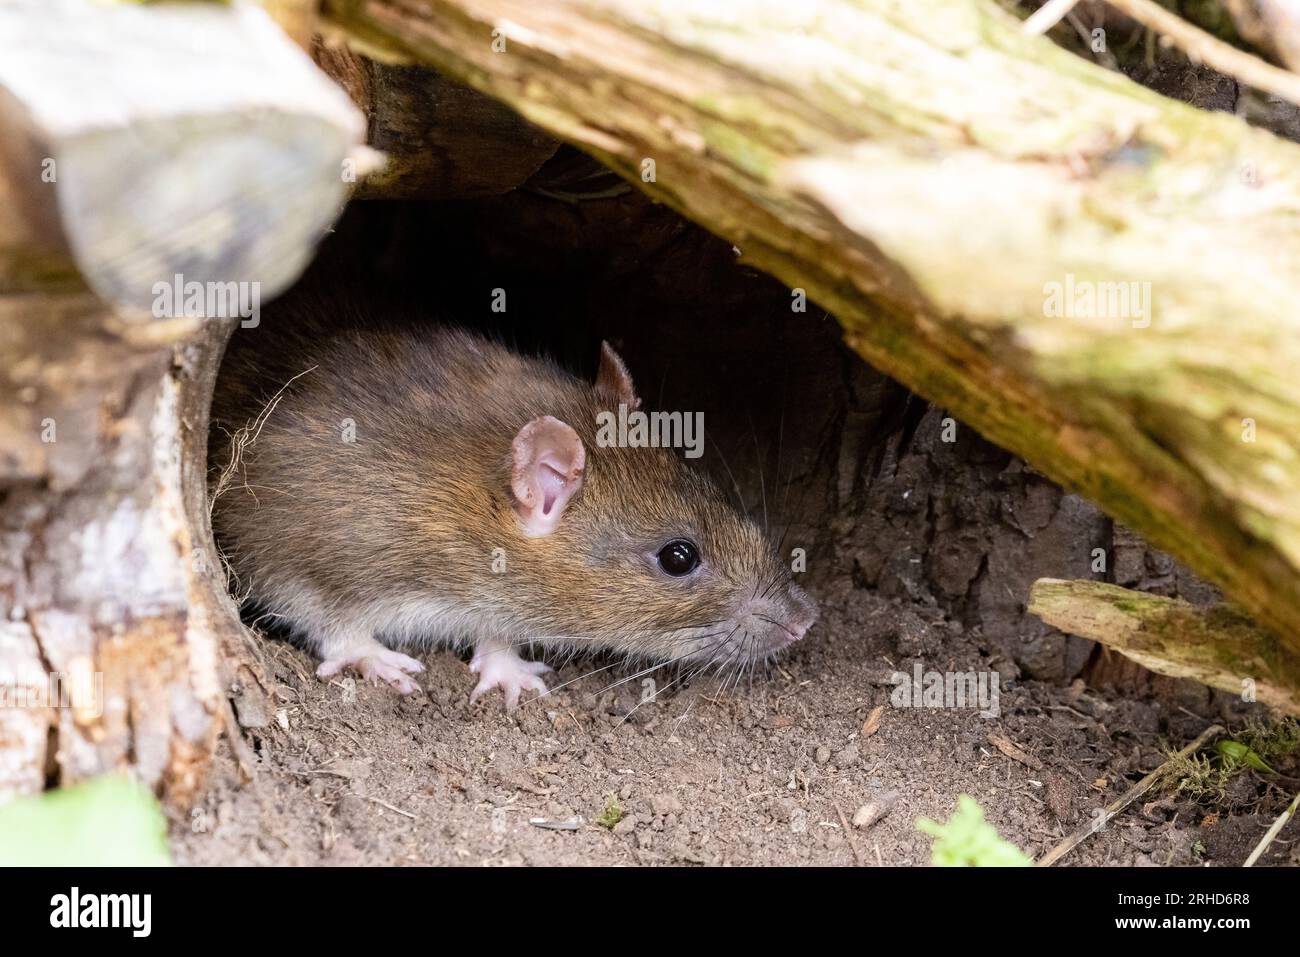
[[926, 171], [1217, 646]]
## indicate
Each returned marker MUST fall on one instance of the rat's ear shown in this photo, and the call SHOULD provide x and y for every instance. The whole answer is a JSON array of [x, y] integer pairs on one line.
[[613, 381], [547, 472]]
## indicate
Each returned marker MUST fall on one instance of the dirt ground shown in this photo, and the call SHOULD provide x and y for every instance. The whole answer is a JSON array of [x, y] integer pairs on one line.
[[767, 773]]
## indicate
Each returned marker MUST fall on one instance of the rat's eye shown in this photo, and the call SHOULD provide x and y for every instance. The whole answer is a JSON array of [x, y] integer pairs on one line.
[[679, 557]]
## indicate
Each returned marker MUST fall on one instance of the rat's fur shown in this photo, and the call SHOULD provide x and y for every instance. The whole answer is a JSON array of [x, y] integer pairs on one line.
[[393, 536]]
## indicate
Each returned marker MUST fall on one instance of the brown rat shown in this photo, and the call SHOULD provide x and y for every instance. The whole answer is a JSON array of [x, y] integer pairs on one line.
[[396, 487]]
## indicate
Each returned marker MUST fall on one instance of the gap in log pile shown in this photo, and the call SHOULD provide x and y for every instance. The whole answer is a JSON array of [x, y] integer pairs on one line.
[[923, 551], [886, 492]]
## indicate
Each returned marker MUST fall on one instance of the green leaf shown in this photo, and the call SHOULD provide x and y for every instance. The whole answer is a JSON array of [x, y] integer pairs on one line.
[[1239, 753], [967, 840], [612, 814], [107, 821]]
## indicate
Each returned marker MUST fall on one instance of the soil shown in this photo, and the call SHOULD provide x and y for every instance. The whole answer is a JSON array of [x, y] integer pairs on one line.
[[767, 773]]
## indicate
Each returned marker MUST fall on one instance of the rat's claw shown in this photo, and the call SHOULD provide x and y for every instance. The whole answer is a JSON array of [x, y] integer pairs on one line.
[[498, 666], [390, 667]]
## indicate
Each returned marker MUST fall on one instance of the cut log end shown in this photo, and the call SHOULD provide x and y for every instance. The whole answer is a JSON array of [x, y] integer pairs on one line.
[[1217, 646]]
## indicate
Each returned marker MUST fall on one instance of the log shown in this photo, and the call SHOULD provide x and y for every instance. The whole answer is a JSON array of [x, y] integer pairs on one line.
[[1273, 25], [1217, 646], [440, 139], [110, 648], [119, 644], [953, 191], [191, 139]]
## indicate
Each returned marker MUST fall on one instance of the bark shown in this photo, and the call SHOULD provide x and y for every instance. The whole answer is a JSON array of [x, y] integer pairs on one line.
[[125, 159], [1217, 646], [925, 171], [190, 139], [106, 594], [440, 139], [1273, 25]]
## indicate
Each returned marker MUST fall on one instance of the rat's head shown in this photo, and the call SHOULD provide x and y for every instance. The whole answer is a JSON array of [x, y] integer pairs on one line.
[[645, 555]]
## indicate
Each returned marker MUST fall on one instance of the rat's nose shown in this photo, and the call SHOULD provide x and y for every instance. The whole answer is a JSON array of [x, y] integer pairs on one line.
[[801, 611], [781, 619]]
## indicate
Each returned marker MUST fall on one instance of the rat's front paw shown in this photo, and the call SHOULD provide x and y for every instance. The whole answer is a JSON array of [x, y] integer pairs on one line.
[[497, 666], [381, 664]]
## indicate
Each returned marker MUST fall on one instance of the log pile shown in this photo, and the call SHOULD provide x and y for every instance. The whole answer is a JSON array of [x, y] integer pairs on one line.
[[1096, 278]]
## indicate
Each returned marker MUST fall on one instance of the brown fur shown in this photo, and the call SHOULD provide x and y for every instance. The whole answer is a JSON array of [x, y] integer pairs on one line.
[[409, 515]]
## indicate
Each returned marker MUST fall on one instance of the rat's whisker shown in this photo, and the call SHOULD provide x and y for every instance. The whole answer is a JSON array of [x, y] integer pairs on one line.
[[789, 479], [733, 678], [776, 580], [724, 663], [649, 698], [762, 472], [725, 673], [617, 664], [529, 642], [734, 484], [646, 671], [586, 674]]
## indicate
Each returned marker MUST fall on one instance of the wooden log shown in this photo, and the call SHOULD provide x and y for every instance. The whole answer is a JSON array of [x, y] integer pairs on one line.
[[1272, 25], [1217, 646], [126, 157], [440, 139], [961, 196], [97, 571], [191, 139]]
